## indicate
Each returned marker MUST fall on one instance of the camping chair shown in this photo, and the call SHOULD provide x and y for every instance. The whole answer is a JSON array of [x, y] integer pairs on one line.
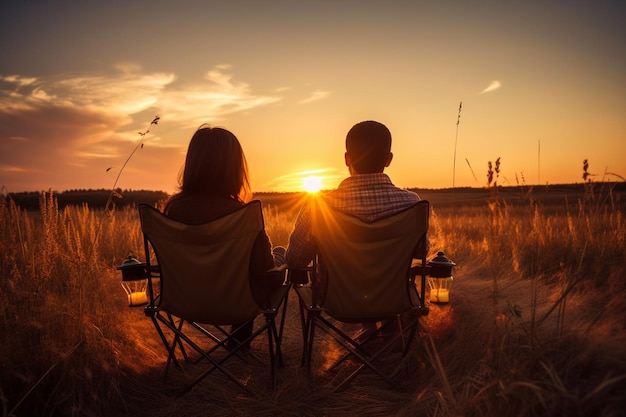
[[204, 286], [362, 274]]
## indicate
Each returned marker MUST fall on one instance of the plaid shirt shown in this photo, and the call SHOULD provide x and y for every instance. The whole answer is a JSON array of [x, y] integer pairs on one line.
[[366, 196]]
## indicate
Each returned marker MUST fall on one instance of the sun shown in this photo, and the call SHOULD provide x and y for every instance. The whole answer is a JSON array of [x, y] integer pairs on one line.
[[312, 183]]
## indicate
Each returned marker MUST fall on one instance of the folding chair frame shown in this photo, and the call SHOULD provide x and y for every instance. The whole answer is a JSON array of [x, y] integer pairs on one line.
[[274, 335], [275, 305], [313, 315]]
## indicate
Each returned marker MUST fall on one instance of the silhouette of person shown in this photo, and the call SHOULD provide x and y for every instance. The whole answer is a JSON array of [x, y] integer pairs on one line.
[[213, 183], [367, 193]]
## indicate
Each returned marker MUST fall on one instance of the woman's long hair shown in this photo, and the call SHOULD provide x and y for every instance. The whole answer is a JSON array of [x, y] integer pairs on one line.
[[215, 166]]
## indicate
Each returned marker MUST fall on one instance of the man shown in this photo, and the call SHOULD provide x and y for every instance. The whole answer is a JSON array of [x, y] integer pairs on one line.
[[367, 194]]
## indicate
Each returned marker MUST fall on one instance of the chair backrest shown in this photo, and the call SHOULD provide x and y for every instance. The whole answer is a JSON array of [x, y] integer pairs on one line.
[[205, 268], [367, 265]]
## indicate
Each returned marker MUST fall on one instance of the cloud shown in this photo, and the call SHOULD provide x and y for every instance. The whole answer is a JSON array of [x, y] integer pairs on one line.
[[494, 85], [16, 79], [9, 168], [50, 141], [66, 127], [315, 96], [122, 93], [196, 103]]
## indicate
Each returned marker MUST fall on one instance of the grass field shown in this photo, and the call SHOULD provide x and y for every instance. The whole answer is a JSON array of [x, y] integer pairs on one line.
[[535, 326]]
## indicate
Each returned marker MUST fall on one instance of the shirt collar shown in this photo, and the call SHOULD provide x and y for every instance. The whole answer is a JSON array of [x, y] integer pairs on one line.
[[366, 179]]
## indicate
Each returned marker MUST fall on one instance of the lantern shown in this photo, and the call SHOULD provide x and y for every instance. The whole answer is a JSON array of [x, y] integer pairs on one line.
[[440, 278], [134, 281]]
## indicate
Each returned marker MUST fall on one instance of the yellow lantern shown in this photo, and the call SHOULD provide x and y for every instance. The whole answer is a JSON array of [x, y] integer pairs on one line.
[[134, 281], [440, 278]]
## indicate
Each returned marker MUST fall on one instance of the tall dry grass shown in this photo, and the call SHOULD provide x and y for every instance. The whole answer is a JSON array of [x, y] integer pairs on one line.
[[535, 327], [61, 340], [556, 290]]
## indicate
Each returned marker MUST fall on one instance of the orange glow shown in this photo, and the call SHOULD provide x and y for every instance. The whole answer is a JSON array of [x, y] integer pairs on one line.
[[440, 320], [312, 183]]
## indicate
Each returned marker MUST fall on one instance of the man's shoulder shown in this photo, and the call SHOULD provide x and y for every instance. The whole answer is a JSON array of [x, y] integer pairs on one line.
[[410, 195], [400, 199]]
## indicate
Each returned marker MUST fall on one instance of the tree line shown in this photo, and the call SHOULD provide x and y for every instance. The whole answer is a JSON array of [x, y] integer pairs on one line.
[[92, 198]]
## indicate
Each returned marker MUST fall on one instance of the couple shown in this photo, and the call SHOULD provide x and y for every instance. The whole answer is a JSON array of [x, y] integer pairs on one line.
[[215, 182]]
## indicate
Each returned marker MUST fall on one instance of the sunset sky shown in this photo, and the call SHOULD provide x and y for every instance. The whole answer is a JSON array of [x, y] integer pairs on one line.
[[543, 87]]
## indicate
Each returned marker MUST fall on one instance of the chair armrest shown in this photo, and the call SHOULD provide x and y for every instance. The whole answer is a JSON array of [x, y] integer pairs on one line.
[[299, 276], [279, 268], [154, 271], [272, 278], [417, 268], [270, 287]]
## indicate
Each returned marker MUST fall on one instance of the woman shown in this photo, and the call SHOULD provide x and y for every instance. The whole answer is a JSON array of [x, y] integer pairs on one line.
[[214, 183]]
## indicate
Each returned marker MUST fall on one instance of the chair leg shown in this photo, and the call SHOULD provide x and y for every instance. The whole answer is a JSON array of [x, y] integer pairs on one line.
[[279, 336], [367, 362], [273, 347], [175, 342], [179, 338], [311, 323], [274, 335], [283, 316], [170, 352], [179, 343], [215, 365], [355, 347], [221, 343], [304, 323], [361, 338], [171, 347]]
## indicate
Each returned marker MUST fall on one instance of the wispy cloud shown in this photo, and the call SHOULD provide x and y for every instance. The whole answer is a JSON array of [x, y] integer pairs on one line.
[[494, 85], [211, 100], [16, 79], [87, 120], [9, 168], [121, 93], [315, 96]]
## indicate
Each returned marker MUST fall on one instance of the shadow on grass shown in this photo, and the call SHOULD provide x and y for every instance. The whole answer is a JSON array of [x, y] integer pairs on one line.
[[296, 394]]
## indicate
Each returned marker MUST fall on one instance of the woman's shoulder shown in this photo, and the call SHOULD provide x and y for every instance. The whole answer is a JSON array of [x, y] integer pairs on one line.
[[196, 209]]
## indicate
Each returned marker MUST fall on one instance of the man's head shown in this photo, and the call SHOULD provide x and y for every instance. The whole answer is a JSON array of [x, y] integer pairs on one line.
[[368, 148]]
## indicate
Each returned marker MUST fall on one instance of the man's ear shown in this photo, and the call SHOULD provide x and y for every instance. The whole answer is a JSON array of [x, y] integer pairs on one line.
[[349, 164], [389, 158]]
